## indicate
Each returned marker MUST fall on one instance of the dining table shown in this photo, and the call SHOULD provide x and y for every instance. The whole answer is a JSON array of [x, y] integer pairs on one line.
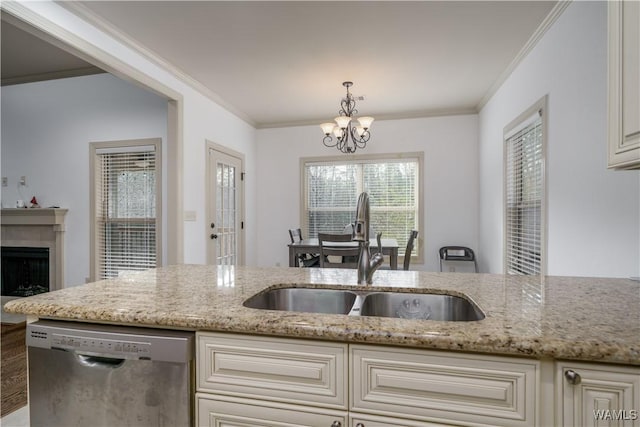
[[312, 246]]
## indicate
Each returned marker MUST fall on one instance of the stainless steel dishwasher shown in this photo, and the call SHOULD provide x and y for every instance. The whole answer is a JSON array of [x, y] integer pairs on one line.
[[84, 374]]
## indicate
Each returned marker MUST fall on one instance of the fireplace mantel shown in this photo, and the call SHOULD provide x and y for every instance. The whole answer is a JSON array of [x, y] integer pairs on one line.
[[37, 227], [33, 216]]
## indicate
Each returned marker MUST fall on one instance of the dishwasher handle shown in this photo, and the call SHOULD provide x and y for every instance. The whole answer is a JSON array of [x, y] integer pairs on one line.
[[98, 362]]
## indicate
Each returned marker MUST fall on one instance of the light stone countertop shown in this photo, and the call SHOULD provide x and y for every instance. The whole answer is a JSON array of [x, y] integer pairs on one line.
[[590, 319]]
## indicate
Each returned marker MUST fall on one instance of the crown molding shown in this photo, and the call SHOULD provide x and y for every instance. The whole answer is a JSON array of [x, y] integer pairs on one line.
[[542, 29], [88, 15]]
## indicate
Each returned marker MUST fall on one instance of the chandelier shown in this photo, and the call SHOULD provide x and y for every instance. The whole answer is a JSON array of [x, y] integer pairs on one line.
[[348, 133]]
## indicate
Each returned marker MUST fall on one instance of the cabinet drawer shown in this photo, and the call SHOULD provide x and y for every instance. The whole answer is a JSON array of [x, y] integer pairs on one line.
[[431, 386], [280, 369], [234, 412], [591, 394], [362, 420]]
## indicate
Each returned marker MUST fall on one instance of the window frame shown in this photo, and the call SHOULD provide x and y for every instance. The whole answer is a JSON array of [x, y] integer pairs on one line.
[[417, 256], [125, 145], [516, 125]]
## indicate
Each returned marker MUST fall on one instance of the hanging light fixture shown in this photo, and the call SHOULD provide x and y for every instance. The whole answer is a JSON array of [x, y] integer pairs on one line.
[[348, 133]]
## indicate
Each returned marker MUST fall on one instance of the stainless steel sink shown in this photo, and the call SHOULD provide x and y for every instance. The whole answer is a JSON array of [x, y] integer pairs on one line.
[[420, 306], [365, 303], [308, 300]]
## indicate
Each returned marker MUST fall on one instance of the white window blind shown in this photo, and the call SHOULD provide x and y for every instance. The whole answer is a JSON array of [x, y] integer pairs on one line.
[[126, 226], [331, 191], [524, 196]]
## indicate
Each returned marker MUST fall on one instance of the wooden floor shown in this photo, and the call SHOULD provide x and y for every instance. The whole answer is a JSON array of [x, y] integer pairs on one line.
[[13, 368]]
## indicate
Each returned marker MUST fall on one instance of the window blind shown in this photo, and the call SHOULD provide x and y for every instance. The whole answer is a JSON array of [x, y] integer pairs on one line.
[[331, 191], [523, 199], [125, 210]]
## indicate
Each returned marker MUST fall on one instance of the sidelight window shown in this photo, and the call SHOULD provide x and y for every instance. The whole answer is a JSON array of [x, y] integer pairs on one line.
[[525, 193]]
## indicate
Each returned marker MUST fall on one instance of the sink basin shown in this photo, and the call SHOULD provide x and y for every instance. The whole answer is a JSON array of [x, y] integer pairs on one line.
[[420, 306], [362, 303], [308, 300]]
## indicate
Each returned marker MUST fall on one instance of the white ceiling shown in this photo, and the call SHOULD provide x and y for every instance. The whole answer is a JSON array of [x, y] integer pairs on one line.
[[282, 63]]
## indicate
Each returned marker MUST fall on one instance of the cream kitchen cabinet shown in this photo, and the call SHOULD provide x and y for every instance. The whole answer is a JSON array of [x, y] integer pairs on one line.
[[442, 388], [624, 84], [250, 380], [592, 394], [216, 411]]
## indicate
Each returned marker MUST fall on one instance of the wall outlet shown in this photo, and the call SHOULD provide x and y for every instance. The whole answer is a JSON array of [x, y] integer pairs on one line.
[[5, 181], [452, 269], [23, 180]]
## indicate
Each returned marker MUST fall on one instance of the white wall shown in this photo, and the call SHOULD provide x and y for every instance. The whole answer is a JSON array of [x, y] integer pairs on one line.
[[203, 119], [46, 131], [450, 147], [593, 213]]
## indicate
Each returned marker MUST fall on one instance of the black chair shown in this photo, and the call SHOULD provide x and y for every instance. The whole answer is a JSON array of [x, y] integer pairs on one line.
[[407, 252], [413, 235], [457, 253], [330, 246], [304, 260]]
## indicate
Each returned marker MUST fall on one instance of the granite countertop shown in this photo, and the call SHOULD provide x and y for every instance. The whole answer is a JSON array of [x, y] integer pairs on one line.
[[590, 319]]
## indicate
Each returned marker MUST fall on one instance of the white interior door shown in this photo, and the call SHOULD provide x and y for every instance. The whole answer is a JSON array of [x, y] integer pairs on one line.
[[225, 208]]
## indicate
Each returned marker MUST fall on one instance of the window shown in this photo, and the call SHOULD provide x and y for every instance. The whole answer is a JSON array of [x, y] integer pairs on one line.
[[125, 207], [331, 188], [524, 193]]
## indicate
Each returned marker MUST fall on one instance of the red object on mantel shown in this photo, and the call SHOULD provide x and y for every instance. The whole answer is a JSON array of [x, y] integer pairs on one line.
[[34, 202]]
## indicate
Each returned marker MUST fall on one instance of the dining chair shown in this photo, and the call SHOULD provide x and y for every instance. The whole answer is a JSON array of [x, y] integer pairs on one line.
[[330, 246], [304, 260], [407, 252]]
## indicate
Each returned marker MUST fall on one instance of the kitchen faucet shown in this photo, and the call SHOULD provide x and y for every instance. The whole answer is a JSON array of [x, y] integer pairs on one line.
[[367, 263]]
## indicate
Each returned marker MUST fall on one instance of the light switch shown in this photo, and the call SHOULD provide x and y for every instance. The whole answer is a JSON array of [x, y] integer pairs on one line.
[[189, 215]]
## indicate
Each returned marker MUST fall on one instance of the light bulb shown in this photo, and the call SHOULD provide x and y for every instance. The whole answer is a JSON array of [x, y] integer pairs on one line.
[[365, 122], [327, 128], [343, 121]]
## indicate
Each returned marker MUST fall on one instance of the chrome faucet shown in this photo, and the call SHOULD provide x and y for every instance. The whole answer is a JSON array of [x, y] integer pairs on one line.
[[367, 263]]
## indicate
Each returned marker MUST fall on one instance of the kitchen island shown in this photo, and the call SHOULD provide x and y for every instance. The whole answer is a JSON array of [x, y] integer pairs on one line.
[[548, 326], [591, 319]]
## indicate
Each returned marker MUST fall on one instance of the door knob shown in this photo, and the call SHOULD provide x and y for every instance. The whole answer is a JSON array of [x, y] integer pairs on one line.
[[214, 236]]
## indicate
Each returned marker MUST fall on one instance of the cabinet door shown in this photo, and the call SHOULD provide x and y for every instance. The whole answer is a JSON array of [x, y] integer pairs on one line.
[[444, 387], [597, 395], [287, 370], [624, 84], [219, 411]]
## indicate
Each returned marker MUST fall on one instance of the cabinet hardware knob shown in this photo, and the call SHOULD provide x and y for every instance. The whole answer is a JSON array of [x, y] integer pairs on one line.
[[213, 225], [572, 377], [214, 236], [336, 424]]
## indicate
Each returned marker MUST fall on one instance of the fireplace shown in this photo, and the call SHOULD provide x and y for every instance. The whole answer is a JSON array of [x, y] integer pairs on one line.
[[25, 271], [32, 250]]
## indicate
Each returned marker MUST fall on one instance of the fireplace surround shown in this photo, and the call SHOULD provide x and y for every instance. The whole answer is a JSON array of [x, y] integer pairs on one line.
[[37, 228]]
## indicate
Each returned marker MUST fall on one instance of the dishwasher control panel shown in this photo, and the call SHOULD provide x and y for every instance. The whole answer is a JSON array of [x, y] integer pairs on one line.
[[83, 344], [113, 341]]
